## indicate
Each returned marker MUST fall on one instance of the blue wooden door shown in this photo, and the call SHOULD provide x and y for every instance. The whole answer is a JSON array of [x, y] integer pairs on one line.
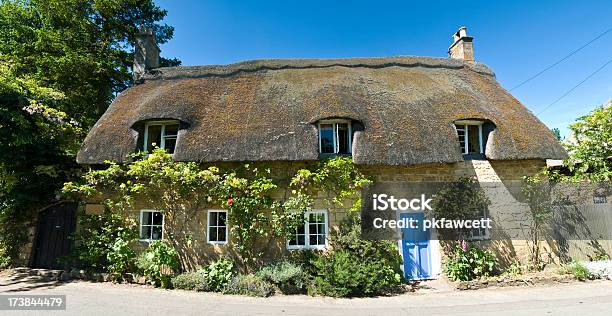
[[416, 250]]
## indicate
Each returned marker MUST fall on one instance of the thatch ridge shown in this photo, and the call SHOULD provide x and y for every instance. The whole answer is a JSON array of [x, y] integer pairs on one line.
[[310, 63]]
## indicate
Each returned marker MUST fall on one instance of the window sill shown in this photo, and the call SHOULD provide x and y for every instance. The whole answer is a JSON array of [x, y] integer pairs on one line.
[[147, 154], [323, 247], [324, 156], [219, 243], [474, 157], [148, 240]]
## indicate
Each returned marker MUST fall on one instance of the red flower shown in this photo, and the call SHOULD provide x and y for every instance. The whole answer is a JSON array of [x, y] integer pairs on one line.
[[230, 201]]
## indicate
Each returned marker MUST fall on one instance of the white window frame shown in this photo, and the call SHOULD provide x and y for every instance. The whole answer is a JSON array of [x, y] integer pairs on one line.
[[307, 232], [140, 225], [163, 132], [208, 226], [335, 135], [465, 124]]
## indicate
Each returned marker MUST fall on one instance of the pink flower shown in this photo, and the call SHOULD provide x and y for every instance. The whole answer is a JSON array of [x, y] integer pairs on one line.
[[230, 201], [464, 245]]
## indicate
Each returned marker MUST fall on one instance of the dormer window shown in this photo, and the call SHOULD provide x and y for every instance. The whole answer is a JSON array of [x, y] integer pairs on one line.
[[161, 134], [470, 138], [335, 137]]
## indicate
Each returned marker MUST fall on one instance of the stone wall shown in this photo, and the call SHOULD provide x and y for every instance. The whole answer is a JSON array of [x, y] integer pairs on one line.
[[200, 252]]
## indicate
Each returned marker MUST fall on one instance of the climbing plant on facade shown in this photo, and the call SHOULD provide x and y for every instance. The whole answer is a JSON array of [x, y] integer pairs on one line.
[[180, 189]]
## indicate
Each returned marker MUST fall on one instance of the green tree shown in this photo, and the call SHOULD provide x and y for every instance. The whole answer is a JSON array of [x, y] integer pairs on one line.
[[61, 63], [557, 133], [591, 152]]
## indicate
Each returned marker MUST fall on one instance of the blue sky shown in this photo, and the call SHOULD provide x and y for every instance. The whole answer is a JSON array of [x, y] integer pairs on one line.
[[515, 38]]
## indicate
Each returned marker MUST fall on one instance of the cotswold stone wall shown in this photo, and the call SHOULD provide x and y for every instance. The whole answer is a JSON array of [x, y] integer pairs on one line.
[[501, 181], [192, 230]]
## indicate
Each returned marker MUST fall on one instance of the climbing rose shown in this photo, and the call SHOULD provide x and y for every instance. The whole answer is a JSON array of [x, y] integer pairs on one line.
[[464, 245], [230, 201]]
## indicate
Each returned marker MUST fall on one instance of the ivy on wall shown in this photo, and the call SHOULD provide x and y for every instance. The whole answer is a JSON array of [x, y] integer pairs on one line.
[[179, 189]]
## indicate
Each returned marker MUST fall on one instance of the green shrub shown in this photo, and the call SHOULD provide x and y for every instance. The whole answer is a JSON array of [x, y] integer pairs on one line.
[[304, 259], [97, 235], [348, 237], [514, 269], [342, 273], [194, 281], [287, 276], [121, 259], [469, 262], [577, 269], [158, 263], [5, 259], [213, 277], [249, 284], [219, 273], [355, 267]]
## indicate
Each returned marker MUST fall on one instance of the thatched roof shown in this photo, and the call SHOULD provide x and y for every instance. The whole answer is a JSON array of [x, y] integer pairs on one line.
[[265, 110]]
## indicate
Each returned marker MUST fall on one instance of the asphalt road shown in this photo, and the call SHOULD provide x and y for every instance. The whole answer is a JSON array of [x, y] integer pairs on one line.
[[84, 298]]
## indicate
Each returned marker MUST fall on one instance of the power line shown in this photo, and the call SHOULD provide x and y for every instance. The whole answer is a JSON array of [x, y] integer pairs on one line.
[[576, 86], [562, 59]]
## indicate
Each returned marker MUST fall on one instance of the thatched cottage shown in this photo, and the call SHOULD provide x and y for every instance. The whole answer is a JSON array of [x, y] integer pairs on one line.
[[402, 118]]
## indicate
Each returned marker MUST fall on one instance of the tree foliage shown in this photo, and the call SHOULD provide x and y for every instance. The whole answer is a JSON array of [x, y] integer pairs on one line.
[[591, 153], [557, 133], [61, 63]]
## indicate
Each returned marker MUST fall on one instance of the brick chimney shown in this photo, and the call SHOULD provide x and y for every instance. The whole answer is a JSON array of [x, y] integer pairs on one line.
[[462, 47], [146, 52]]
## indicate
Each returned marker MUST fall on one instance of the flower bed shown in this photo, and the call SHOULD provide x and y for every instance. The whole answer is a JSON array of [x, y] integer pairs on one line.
[[506, 281]]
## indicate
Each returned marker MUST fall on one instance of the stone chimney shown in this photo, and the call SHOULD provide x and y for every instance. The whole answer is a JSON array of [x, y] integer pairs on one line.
[[462, 47], [146, 52]]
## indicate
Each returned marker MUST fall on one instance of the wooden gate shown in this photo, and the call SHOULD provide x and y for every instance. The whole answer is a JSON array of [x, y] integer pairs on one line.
[[55, 226]]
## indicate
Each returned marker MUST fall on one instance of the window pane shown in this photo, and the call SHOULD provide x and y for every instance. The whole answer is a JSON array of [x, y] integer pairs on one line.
[[473, 139], [212, 234], [343, 138], [222, 219], [169, 144], [316, 218], [221, 234], [145, 232], [301, 240], [157, 218], [146, 218], [157, 233], [326, 134], [212, 219], [312, 229], [300, 230], [171, 129], [321, 240], [153, 137], [461, 134], [313, 240]]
